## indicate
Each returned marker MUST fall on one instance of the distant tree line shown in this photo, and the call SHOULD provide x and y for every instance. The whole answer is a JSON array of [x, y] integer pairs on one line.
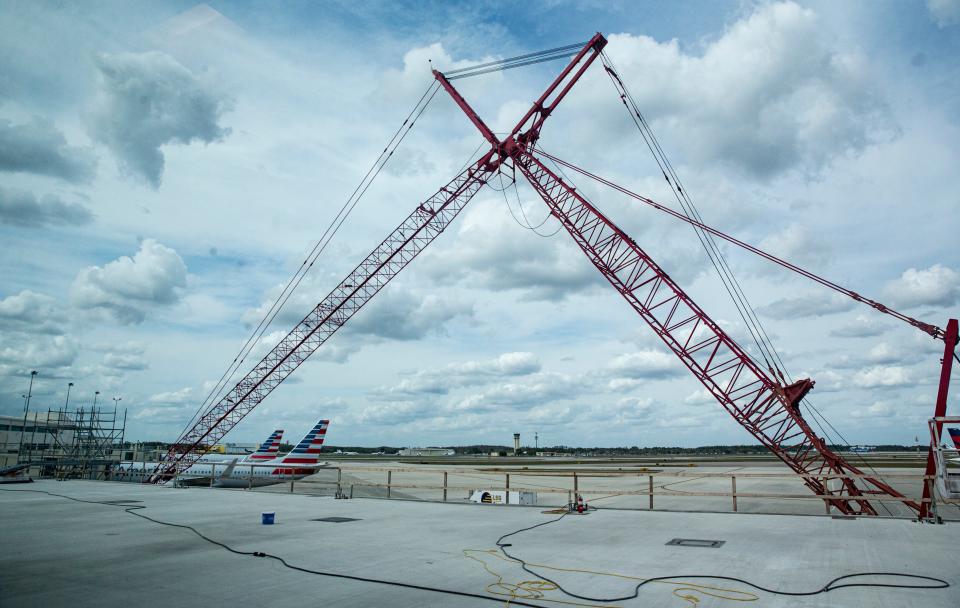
[[484, 449]]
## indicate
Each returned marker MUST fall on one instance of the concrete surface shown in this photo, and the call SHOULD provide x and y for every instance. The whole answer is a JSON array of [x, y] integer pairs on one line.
[[58, 552]]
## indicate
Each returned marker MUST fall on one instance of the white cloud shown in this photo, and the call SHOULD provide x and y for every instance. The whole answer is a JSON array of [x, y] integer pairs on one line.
[[507, 364], [806, 306], [944, 12], [645, 364], [879, 409], [125, 288], [700, 397], [172, 397], [148, 100], [626, 411], [935, 286], [492, 252], [623, 385], [22, 208], [539, 390], [440, 381], [882, 376], [770, 95], [125, 361], [796, 244], [44, 352], [770, 90], [33, 312], [861, 327], [39, 147], [398, 314]]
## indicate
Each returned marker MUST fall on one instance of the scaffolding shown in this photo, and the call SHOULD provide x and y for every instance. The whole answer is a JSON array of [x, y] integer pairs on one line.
[[83, 443]]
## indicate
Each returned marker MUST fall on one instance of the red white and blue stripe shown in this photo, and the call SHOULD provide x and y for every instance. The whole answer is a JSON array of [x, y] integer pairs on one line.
[[268, 449], [955, 435], [308, 450]]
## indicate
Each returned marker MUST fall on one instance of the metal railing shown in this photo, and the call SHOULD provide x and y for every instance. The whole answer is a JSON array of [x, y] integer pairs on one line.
[[649, 484]]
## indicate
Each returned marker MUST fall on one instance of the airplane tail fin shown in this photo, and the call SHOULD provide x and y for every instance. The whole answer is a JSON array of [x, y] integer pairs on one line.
[[268, 449], [308, 450], [955, 435]]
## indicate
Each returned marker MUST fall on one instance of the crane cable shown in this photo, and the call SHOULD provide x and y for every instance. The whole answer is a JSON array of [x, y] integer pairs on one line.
[[319, 247], [731, 285], [526, 223], [559, 163], [515, 62]]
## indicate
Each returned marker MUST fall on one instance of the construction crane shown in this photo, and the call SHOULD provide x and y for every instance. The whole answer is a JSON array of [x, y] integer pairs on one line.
[[766, 406]]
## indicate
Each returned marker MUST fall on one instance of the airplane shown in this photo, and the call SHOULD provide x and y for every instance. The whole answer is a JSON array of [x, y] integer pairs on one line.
[[955, 435], [18, 473], [302, 460], [268, 450]]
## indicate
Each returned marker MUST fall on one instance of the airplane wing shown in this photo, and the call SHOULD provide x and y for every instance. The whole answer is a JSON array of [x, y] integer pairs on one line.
[[229, 470]]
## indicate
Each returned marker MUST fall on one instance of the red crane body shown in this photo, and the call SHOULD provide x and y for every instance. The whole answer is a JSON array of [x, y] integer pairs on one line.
[[762, 405]]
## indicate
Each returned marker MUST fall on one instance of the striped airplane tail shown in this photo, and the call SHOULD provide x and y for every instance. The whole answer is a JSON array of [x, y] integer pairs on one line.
[[955, 435], [307, 452], [269, 449]]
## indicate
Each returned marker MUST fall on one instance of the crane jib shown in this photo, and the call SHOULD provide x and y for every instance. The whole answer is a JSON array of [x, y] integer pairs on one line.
[[765, 407]]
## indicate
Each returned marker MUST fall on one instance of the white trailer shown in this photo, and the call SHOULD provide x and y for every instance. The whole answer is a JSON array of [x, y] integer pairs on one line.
[[500, 497]]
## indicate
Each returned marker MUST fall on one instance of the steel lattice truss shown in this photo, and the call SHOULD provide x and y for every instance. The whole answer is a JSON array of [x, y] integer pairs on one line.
[[417, 231], [768, 409]]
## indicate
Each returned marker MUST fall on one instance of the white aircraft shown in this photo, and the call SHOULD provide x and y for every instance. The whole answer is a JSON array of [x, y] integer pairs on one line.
[[955, 436], [268, 450], [303, 460]]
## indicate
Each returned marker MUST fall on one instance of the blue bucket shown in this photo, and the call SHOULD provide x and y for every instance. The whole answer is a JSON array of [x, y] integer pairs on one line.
[[267, 518]]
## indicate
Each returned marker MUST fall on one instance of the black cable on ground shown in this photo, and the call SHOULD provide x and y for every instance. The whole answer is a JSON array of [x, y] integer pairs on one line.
[[936, 583], [131, 510]]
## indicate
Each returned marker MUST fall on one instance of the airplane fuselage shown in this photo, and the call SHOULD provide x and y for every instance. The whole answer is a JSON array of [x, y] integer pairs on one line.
[[217, 474]]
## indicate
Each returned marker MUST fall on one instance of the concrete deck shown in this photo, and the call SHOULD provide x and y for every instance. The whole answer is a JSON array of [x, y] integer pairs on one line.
[[59, 552]]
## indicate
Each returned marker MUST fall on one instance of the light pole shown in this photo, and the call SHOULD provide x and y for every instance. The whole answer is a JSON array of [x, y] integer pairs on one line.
[[95, 395], [26, 409], [116, 401], [67, 404], [29, 392]]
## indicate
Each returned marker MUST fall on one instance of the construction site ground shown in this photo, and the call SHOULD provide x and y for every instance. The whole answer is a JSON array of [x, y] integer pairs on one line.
[[61, 552]]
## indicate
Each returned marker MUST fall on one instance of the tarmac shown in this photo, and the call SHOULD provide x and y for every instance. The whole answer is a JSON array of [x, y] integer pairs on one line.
[[60, 552], [704, 487]]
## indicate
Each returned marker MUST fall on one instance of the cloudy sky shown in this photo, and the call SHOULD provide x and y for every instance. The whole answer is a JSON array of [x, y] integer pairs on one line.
[[165, 167]]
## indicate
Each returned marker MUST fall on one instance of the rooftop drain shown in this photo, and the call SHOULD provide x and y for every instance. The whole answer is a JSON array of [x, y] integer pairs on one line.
[[693, 542], [336, 520]]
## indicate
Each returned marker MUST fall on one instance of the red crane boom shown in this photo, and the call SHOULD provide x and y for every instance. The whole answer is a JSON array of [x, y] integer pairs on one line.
[[417, 231], [768, 409], [420, 228]]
